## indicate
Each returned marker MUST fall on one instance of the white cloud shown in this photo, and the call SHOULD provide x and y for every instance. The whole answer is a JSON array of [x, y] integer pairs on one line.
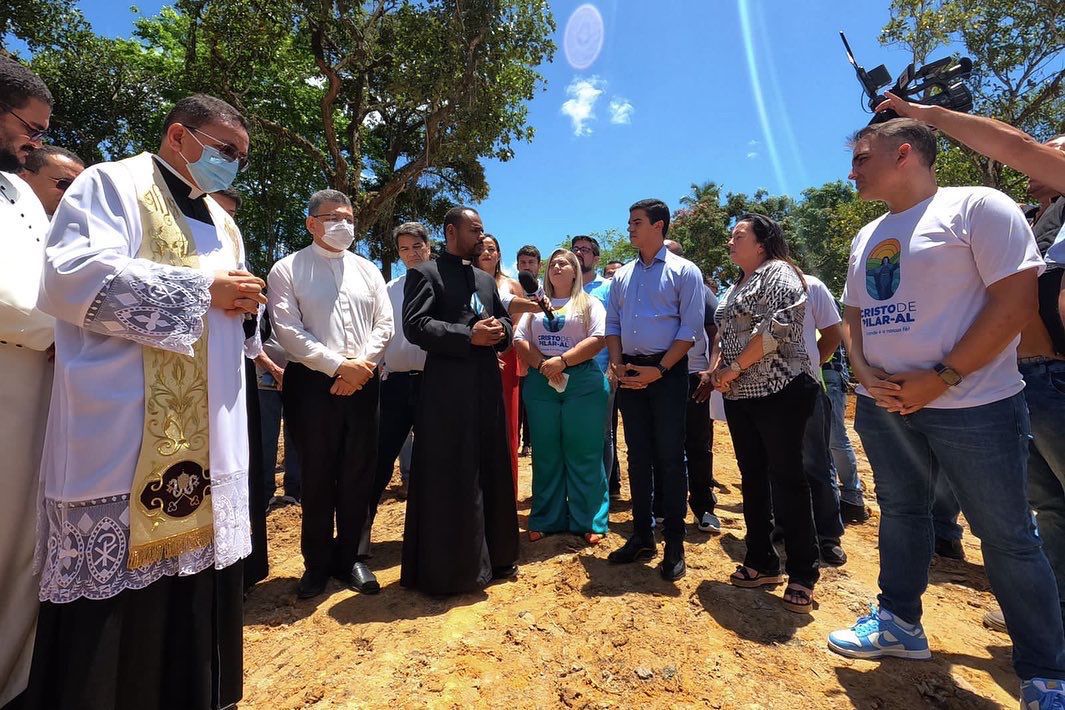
[[753, 143], [580, 107], [621, 110], [751, 155]]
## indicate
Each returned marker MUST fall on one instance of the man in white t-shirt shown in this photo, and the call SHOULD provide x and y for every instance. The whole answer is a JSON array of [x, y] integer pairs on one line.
[[822, 318], [937, 292]]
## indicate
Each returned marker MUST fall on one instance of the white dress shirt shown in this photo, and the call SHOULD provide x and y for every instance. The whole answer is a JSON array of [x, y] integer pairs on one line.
[[328, 306], [401, 355]]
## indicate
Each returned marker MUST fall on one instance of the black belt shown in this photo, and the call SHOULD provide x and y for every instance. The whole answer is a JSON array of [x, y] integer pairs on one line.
[[411, 373], [643, 360]]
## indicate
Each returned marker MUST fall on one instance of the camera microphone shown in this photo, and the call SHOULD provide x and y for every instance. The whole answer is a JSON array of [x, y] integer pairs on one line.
[[533, 291]]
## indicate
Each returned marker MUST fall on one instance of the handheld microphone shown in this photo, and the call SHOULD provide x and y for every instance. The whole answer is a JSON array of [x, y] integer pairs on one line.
[[533, 290]]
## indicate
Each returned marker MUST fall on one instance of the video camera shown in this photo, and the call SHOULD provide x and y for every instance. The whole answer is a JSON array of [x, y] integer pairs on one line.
[[939, 83]]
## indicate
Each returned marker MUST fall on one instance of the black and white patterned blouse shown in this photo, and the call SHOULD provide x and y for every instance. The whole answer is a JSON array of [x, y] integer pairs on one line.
[[770, 303]]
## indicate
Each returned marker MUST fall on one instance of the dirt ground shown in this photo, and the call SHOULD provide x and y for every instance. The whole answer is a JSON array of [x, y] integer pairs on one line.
[[573, 631]]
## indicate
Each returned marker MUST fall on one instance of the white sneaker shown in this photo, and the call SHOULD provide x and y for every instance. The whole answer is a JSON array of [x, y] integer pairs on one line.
[[710, 523]]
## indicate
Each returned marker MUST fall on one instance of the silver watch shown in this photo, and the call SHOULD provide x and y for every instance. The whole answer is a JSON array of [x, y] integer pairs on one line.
[[735, 366]]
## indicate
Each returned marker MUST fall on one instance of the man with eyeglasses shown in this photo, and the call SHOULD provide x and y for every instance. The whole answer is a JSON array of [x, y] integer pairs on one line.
[[50, 170], [332, 315], [25, 371], [144, 519]]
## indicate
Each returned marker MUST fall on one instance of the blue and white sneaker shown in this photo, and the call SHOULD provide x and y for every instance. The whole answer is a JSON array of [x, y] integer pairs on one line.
[[877, 635], [1042, 694]]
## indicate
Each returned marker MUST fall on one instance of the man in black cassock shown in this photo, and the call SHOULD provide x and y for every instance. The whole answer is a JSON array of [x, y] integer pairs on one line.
[[462, 523]]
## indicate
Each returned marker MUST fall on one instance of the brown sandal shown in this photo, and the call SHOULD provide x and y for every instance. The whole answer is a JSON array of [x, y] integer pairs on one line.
[[804, 595], [593, 538], [750, 578], [535, 536]]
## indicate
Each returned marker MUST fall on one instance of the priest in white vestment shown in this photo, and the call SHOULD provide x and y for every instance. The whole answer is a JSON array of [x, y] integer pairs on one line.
[[25, 368], [145, 500]]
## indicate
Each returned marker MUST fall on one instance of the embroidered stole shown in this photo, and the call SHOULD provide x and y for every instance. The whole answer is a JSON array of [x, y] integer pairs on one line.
[[170, 498]]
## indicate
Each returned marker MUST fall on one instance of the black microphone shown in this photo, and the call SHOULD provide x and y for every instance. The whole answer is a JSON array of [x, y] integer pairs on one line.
[[534, 291]]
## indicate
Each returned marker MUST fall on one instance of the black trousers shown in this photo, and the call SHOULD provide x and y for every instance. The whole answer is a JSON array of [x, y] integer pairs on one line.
[[614, 474], [337, 440], [767, 434], [698, 456], [174, 645], [654, 432], [817, 462], [399, 405]]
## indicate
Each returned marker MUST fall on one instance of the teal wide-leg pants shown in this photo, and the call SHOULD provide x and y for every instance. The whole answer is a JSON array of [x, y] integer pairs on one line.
[[569, 481]]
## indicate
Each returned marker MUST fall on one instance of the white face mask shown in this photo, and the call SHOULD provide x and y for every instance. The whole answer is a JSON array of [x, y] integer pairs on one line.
[[339, 235]]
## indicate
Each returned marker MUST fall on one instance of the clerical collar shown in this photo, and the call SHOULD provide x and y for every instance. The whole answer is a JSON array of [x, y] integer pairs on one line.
[[448, 256], [189, 199], [323, 252]]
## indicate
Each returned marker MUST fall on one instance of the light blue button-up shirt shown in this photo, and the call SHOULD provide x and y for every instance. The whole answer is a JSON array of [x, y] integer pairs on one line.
[[651, 306]]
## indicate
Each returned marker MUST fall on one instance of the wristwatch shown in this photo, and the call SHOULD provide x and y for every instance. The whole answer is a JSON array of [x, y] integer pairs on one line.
[[947, 374], [662, 370], [735, 366]]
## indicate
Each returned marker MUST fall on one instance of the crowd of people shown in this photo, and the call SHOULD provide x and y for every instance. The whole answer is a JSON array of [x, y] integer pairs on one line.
[[147, 376]]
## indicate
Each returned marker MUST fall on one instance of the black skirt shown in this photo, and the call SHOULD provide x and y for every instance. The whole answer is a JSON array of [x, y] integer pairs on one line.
[[174, 645]]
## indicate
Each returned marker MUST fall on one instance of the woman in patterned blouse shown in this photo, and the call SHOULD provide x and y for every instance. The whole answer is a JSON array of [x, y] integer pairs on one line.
[[760, 366]]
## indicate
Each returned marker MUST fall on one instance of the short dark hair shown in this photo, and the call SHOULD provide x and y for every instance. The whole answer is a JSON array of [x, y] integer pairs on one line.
[[413, 229], [456, 216], [656, 210], [37, 158], [323, 196], [585, 238], [232, 194], [615, 261], [530, 250], [897, 131], [18, 84], [200, 109]]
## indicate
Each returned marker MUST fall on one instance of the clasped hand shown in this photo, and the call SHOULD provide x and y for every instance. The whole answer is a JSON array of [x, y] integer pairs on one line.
[[634, 377], [352, 374], [905, 392], [487, 332], [237, 292]]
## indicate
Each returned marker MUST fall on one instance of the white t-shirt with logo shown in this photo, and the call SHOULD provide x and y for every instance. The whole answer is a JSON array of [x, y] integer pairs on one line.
[[821, 313], [567, 329], [920, 278]]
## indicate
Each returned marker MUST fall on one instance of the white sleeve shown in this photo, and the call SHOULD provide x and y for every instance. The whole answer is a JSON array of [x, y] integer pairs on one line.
[[93, 280], [383, 326], [1001, 240], [521, 329], [287, 322], [596, 318], [855, 283], [822, 306]]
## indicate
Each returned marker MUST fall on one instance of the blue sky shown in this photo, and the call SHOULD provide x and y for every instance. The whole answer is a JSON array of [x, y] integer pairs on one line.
[[747, 93]]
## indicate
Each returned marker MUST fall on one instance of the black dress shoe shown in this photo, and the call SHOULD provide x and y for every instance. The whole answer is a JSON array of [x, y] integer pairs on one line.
[[362, 579], [673, 567], [506, 572], [853, 514], [951, 549], [634, 550], [832, 554], [311, 584]]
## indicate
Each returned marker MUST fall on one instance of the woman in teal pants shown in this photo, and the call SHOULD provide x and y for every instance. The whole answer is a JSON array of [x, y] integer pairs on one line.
[[565, 394]]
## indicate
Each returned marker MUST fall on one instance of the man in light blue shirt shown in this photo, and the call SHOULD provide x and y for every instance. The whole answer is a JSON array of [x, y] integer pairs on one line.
[[654, 314]]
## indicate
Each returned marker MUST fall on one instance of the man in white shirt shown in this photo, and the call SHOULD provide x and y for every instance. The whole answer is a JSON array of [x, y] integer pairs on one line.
[[331, 314], [25, 368], [401, 372], [50, 170], [822, 319], [937, 293]]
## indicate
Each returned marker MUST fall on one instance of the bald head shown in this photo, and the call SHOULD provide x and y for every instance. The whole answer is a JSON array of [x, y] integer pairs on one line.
[[674, 247]]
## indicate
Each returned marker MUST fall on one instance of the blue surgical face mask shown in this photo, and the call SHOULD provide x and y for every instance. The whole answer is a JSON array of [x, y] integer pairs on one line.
[[213, 171]]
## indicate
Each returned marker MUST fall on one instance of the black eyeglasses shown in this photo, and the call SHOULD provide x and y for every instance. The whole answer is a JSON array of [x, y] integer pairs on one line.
[[228, 150], [584, 250], [61, 183], [333, 217], [33, 133]]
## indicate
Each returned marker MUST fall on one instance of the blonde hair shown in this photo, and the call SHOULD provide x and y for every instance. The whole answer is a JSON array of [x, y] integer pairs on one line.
[[578, 299]]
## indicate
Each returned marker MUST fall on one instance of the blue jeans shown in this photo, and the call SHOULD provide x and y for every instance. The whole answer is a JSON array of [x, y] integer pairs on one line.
[[945, 511], [654, 421], [983, 452], [270, 411], [817, 465], [1045, 393], [843, 459]]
